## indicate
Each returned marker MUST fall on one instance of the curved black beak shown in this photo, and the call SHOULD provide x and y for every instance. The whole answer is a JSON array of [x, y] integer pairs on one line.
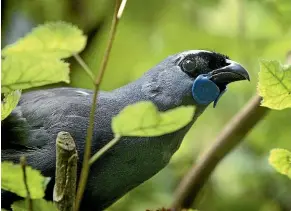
[[233, 71]]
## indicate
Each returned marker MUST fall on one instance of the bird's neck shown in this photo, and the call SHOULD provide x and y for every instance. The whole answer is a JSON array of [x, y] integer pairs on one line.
[[147, 88]]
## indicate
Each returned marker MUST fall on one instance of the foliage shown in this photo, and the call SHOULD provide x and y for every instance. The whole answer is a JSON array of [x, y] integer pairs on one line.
[[54, 39], [275, 85], [35, 60], [275, 88], [12, 180], [280, 159], [144, 119], [9, 103], [27, 71], [37, 204]]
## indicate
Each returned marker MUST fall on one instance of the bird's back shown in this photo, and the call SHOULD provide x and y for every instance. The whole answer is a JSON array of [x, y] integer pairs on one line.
[[32, 127]]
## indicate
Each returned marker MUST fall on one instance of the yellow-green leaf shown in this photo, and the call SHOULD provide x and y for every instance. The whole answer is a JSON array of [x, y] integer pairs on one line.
[[37, 204], [9, 102], [26, 71], [280, 159], [57, 39], [275, 85], [12, 180], [144, 119]]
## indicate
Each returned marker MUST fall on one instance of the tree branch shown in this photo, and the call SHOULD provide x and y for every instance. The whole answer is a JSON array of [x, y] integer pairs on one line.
[[66, 172], [229, 138]]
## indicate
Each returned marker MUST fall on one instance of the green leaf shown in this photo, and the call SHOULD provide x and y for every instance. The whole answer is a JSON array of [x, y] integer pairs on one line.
[[37, 204], [56, 39], [275, 85], [9, 102], [12, 180], [26, 71], [280, 159], [144, 119]]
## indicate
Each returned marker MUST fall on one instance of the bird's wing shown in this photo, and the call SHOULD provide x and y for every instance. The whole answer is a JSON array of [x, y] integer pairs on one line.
[[32, 127]]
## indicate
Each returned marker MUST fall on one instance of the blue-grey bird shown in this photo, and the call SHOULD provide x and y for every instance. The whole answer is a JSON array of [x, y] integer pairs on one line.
[[194, 77]]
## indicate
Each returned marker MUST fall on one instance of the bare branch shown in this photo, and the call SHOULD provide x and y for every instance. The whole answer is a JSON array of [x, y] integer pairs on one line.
[[66, 172], [230, 137]]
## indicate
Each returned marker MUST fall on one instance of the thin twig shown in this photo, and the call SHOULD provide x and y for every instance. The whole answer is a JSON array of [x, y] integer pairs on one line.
[[104, 149], [87, 153], [84, 66], [66, 172], [121, 9], [112, 33], [28, 198], [230, 137]]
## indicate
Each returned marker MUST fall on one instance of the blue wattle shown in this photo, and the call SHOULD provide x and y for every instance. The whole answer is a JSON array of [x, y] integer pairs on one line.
[[205, 91]]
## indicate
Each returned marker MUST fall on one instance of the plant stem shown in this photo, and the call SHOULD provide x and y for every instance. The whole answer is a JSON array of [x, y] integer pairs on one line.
[[229, 138], [104, 149], [112, 33], [66, 172], [121, 9], [84, 66], [23, 166], [87, 153]]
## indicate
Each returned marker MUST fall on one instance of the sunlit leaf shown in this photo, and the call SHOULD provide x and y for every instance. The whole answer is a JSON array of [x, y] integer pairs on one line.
[[12, 180], [57, 39], [26, 71], [144, 119], [275, 84], [280, 159], [9, 102], [37, 204]]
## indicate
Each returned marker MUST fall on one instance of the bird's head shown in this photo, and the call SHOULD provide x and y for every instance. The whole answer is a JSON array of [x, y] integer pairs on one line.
[[194, 77]]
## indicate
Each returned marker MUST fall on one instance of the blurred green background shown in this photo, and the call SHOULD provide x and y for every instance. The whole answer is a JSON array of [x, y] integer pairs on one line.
[[246, 30]]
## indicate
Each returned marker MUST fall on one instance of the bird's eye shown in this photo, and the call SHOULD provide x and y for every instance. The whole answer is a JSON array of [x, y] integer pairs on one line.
[[189, 66]]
